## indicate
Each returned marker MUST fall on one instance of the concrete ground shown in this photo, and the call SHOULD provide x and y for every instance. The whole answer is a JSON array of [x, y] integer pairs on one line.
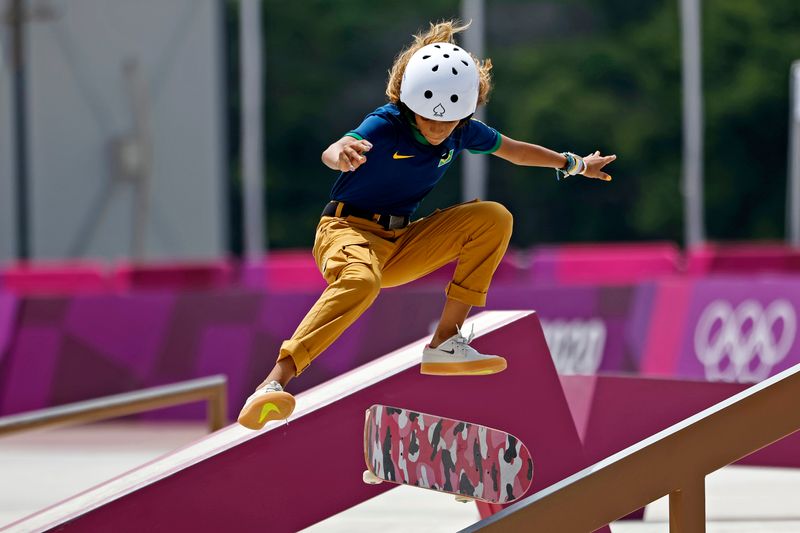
[[42, 468]]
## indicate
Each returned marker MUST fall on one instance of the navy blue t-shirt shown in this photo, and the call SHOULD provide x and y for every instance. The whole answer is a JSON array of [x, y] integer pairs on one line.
[[402, 167]]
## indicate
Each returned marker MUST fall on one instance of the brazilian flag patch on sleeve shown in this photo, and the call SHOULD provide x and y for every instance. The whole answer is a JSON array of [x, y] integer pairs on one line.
[[446, 158]]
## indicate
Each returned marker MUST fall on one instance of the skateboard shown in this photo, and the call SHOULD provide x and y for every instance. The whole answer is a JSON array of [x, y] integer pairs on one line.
[[469, 461]]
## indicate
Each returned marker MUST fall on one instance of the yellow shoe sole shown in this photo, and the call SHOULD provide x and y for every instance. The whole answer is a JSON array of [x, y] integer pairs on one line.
[[276, 405], [473, 368]]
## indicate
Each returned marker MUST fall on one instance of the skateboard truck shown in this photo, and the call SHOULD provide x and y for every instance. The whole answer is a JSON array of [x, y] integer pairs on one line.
[[370, 478]]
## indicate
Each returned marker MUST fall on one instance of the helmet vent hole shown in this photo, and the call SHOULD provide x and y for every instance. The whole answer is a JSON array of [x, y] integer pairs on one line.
[[435, 68], [429, 95], [455, 49], [465, 63], [454, 98], [455, 71], [436, 46], [447, 56], [425, 57]]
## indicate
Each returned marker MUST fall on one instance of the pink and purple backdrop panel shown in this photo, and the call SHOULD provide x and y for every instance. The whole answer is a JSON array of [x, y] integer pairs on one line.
[[64, 349], [729, 329], [55, 350], [8, 314]]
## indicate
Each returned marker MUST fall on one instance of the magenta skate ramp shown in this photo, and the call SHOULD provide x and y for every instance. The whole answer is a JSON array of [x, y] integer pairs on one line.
[[285, 478]]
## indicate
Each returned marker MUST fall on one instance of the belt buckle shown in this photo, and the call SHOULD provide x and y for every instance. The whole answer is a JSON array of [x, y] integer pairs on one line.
[[396, 222]]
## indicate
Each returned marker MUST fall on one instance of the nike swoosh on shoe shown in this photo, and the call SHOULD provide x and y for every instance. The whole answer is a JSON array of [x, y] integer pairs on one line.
[[266, 409]]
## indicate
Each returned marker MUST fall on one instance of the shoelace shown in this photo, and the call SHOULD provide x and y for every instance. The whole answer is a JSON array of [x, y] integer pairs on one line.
[[273, 386], [461, 339]]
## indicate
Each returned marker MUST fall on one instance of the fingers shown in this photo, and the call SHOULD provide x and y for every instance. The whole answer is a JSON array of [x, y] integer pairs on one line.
[[595, 162], [598, 175], [362, 146], [350, 158], [600, 162], [354, 155], [346, 162], [606, 159]]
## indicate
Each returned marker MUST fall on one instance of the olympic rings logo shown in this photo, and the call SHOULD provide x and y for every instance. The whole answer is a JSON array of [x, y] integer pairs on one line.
[[744, 344], [576, 346]]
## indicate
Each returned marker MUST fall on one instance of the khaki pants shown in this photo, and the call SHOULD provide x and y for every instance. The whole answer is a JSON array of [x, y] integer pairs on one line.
[[358, 257]]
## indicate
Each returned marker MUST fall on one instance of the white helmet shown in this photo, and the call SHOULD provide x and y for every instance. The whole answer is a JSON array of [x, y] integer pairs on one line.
[[440, 82]]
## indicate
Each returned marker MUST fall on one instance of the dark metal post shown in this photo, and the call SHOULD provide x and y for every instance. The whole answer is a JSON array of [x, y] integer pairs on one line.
[[474, 168], [694, 226], [251, 65], [793, 192], [16, 16]]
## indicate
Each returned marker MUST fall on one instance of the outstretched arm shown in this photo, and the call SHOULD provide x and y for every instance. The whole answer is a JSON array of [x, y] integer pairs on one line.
[[533, 155]]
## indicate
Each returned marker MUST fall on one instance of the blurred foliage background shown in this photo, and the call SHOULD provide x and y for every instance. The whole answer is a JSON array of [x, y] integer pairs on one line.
[[574, 75]]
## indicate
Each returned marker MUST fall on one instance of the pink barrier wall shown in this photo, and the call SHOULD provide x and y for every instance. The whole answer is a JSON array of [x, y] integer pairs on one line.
[[80, 277], [55, 278], [744, 258], [178, 275], [282, 270], [637, 408], [612, 413], [603, 264]]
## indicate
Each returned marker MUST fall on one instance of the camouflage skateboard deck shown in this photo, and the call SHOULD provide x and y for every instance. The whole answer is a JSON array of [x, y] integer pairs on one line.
[[467, 460]]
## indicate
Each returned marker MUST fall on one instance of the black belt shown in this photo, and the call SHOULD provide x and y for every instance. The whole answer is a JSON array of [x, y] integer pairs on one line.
[[332, 209]]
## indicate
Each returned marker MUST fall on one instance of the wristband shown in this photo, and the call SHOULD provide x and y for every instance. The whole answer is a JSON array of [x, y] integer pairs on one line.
[[574, 165]]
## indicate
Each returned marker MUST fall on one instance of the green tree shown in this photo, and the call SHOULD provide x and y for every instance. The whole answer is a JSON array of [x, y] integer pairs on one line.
[[610, 80]]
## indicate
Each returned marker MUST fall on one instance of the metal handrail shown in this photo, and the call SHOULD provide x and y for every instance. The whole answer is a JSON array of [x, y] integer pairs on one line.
[[672, 462], [212, 389]]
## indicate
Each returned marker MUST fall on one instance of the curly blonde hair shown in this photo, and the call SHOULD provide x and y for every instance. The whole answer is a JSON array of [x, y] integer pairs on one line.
[[441, 32]]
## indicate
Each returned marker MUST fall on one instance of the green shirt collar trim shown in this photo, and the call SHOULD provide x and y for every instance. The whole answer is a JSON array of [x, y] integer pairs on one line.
[[415, 130]]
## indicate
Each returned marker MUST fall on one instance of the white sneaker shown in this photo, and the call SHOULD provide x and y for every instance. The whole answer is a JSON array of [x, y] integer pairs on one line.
[[455, 357], [266, 403]]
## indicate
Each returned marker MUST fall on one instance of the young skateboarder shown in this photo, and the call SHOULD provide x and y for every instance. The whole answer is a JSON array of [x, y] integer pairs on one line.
[[366, 240]]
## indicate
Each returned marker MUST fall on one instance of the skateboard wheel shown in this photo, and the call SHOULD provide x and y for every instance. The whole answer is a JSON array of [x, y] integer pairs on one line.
[[464, 499], [371, 478]]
